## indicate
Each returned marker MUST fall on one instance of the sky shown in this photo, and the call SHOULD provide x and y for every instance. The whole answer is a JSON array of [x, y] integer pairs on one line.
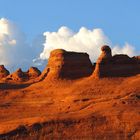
[[35, 27]]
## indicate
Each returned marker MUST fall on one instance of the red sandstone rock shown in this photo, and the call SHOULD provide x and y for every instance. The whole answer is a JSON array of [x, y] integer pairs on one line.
[[3, 71], [67, 65], [104, 58], [33, 72], [18, 75], [122, 59], [116, 66], [106, 55]]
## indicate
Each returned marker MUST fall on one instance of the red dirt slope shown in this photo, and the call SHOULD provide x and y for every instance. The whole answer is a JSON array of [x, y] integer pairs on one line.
[[82, 109]]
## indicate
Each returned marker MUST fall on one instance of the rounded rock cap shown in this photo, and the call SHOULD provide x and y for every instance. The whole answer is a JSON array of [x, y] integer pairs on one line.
[[19, 70], [105, 48], [2, 67], [57, 51]]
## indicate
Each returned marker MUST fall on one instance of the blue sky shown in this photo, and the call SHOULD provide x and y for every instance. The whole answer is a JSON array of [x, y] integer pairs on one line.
[[119, 19]]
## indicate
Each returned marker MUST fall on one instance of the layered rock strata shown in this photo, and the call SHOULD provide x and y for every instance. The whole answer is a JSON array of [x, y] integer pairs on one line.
[[67, 65], [115, 66]]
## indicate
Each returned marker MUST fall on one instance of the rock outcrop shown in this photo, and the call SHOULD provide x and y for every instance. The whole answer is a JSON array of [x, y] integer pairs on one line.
[[19, 75], [105, 56], [67, 65], [115, 66], [3, 71], [122, 59], [33, 73], [64, 64], [136, 59], [104, 59]]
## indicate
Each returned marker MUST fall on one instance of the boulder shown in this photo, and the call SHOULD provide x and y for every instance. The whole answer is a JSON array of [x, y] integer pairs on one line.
[[67, 65], [3, 72]]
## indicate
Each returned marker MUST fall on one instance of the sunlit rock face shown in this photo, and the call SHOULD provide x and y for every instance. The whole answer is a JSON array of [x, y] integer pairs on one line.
[[67, 65], [33, 73], [3, 71], [19, 75], [115, 66]]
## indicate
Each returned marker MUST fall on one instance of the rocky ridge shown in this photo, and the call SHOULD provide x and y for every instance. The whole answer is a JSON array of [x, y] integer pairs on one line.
[[63, 64]]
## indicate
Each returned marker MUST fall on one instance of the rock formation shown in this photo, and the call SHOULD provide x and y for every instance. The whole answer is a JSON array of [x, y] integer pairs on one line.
[[18, 75], [72, 65], [3, 71], [105, 56], [137, 59], [33, 72], [122, 59], [104, 59], [115, 66], [67, 65]]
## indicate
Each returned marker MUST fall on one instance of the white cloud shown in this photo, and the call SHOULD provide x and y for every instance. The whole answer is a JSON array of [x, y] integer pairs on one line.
[[126, 49], [14, 50], [84, 40]]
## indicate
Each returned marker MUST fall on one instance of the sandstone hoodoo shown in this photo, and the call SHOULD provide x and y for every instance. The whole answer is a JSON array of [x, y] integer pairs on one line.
[[115, 66], [3, 71], [33, 72], [105, 56], [104, 59], [67, 65]]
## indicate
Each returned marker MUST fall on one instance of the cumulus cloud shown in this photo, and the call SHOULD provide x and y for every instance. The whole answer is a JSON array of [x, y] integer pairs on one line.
[[15, 51], [126, 49], [84, 40]]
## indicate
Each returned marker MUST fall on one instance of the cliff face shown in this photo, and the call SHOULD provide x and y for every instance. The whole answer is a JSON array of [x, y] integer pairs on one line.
[[115, 66], [67, 65]]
